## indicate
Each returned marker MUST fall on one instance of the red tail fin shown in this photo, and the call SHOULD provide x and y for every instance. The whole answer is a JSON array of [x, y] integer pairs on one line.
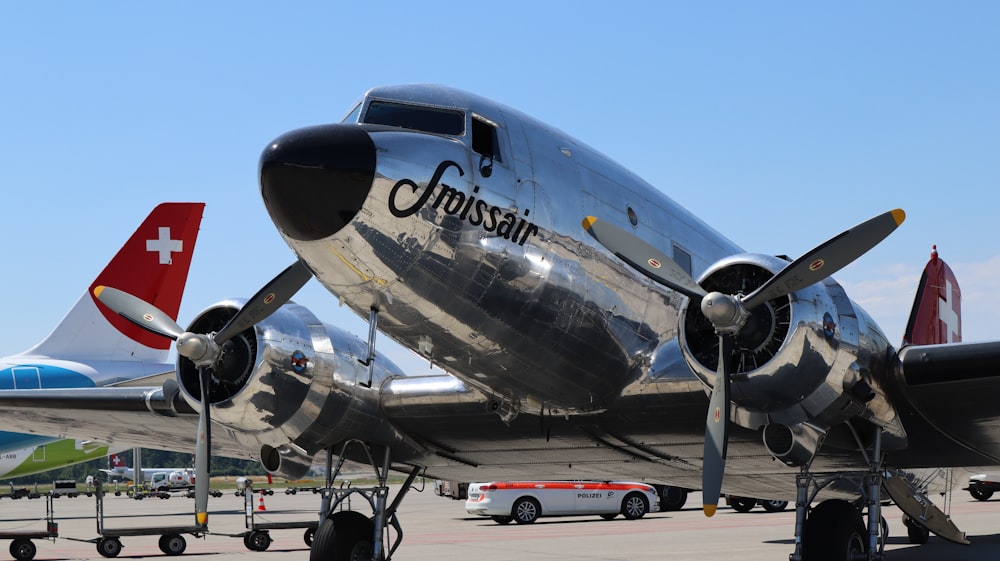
[[152, 265], [936, 316]]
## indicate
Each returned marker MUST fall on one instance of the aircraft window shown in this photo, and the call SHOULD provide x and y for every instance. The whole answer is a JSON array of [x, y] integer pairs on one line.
[[352, 117], [416, 117], [633, 218], [683, 259], [484, 138]]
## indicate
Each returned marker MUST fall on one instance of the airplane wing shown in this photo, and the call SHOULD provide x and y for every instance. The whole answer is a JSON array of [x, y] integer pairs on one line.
[[150, 417]]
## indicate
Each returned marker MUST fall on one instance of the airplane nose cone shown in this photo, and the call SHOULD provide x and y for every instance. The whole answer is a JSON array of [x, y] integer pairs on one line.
[[314, 180]]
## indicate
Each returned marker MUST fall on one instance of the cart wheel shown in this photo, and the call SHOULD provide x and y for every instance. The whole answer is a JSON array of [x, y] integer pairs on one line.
[[308, 536], [257, 540], [109, 547], [172, 544], [22, 549]]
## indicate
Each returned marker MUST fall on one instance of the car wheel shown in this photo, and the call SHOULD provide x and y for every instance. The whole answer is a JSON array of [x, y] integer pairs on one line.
[[672, 498], [526, 510], [979, 493], [635, 506], [742, 504], [774, 506], [502, 520]]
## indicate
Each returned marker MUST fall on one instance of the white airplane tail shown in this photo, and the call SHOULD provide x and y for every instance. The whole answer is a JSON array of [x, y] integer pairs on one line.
[[152, 265]]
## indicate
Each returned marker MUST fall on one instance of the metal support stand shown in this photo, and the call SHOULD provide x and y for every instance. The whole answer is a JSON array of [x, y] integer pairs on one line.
[[802, 481], [380, 498], [372, 333], [874, 492]]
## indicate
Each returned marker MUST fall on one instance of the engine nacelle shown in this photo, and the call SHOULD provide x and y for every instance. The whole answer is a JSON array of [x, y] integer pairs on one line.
[[288, 386], [804, 362]]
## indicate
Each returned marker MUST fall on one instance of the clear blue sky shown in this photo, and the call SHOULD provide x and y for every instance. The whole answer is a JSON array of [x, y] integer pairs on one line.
[[779, 123]]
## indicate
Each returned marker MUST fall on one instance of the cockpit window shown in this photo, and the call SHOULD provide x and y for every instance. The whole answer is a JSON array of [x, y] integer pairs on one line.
[[416, 117]]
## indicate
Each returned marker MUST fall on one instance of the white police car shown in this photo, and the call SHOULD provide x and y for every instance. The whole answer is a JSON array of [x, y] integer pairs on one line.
[[526, 501]]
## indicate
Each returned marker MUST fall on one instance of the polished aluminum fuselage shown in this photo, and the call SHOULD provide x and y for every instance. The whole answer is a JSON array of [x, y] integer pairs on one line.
[[567, 363], [551, 322]]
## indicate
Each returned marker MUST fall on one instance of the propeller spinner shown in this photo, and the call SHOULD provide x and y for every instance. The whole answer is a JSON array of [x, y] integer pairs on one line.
[[204, 350], [728, 313]]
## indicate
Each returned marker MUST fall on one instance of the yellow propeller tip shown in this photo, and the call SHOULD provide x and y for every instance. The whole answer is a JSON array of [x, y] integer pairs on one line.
[[709, 510], [588, 222], [899, 216], [202, 518], [98, 290]]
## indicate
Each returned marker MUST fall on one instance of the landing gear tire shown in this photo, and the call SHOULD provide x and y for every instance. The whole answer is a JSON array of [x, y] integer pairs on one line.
[[109, 547], [344, 536], [979, 493], [172, 544], [916, 532], [502, 520], [526, 510], [834, 531], [634, 506], [23, 549], [742, 504], [257, 540], [672, 498], [774, 506]]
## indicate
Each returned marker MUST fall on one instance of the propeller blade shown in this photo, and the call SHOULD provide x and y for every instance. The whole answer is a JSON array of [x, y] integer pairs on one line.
[[827, 258], [717, 429], [643, 257], [138, 312], [202, 454], [268, 299]]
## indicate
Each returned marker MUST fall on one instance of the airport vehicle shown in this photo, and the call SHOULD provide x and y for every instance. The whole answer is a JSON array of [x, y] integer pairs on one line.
[[159, 479], [525, 502], [588, 324], [456, 490], [21, 546], [746, 504], [92, 346], [258, 536], [983, 485], [109, 543]]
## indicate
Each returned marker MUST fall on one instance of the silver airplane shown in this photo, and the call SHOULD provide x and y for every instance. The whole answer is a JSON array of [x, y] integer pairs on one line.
[[590, 327]]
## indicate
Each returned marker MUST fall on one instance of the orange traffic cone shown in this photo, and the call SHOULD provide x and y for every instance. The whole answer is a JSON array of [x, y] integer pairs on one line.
[[260, 504]]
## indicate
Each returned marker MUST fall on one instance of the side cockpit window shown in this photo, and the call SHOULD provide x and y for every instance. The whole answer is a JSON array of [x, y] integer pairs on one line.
[[416, 117], [484, 138]]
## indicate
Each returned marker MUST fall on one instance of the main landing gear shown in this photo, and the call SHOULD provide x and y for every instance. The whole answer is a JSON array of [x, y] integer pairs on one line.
[[835, 529], [348, 535], [838, 530]]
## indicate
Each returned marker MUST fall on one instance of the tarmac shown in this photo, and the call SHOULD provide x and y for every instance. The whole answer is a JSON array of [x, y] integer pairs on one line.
[[438, 528]]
